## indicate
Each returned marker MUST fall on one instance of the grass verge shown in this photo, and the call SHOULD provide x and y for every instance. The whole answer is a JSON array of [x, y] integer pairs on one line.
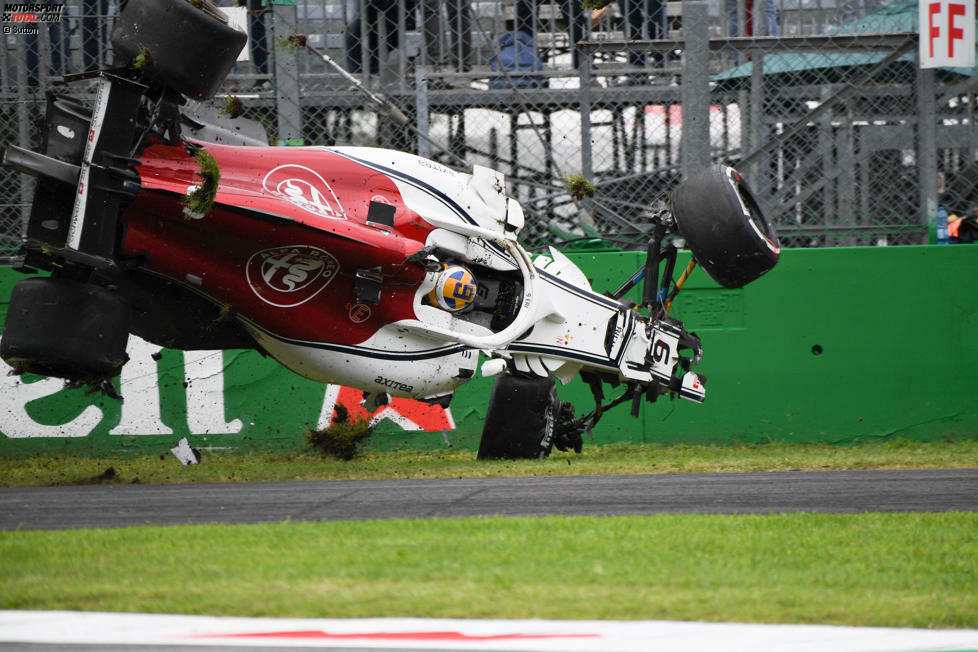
[[903, 570], [595, 460]]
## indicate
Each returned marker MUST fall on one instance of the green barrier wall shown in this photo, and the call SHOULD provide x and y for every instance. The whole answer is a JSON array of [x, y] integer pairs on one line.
[[834, 345]]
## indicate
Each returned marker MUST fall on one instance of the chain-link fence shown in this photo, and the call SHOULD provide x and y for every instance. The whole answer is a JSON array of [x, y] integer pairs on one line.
[[820, 103]]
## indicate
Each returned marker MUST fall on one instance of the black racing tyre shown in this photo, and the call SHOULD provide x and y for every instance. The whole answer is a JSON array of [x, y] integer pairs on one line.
[[724, 227], [71, 330], [177, 44], [520, 418]]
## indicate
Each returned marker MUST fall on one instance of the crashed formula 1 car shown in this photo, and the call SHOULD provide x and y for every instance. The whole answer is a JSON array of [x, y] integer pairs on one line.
[[364, 267]]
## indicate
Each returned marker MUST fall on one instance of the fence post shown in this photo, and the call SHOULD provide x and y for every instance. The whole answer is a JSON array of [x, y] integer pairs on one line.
[[927, 145], [421, 107], [586, 205], [695, 92], [587, 167], [970, 153], [23, 129], [402, 42], [827, 154], [756, 123], [287, 106]]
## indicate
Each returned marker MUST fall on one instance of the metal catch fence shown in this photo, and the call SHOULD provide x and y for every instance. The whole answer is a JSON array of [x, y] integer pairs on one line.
[[593, 110]]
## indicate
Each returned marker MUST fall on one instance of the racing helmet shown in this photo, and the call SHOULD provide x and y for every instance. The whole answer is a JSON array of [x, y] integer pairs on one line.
[[454, 288]]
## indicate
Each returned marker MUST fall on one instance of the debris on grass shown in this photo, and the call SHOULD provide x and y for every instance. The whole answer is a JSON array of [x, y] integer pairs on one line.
[[198, 201], [579, 187], [184, 452], [343, 437], [106, 476]]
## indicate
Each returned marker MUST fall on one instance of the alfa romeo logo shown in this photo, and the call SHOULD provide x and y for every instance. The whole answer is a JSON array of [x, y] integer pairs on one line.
[[289, 276], [304, 188]]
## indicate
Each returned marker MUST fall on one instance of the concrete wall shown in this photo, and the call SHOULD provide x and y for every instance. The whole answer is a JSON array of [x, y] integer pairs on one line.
[[834, 345]]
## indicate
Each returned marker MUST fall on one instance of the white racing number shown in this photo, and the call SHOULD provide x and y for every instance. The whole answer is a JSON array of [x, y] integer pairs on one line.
[[664, 353]]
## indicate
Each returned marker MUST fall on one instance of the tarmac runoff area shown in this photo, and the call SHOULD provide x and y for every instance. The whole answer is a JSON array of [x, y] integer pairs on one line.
[[75, 631]]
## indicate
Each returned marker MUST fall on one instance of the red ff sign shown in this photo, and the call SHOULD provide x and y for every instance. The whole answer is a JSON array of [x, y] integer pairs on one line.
[[947, 33]]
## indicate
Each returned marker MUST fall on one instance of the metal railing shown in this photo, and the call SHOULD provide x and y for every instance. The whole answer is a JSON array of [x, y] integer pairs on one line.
[[844, 138]]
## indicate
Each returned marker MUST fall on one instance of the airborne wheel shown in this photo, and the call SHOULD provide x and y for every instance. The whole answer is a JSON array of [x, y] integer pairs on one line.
[[724, 227]]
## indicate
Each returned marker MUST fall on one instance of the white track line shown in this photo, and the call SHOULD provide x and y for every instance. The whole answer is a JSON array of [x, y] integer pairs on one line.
[[93, 628]]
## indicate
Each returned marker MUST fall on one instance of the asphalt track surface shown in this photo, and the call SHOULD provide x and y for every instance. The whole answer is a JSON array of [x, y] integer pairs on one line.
[[45, 508]]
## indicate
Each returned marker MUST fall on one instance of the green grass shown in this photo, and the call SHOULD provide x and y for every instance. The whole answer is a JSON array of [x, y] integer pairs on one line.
[[915, 570], [596, 460]]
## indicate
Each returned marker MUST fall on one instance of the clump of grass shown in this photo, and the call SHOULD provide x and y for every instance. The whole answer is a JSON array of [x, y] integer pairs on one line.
[[225, 316], [291, 42], [142, 60], [197, 203], [233, 107], [579, 187], [343, 437]]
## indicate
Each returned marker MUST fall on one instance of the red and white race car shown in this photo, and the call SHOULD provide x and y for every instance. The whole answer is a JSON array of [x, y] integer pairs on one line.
[[365, 267]]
